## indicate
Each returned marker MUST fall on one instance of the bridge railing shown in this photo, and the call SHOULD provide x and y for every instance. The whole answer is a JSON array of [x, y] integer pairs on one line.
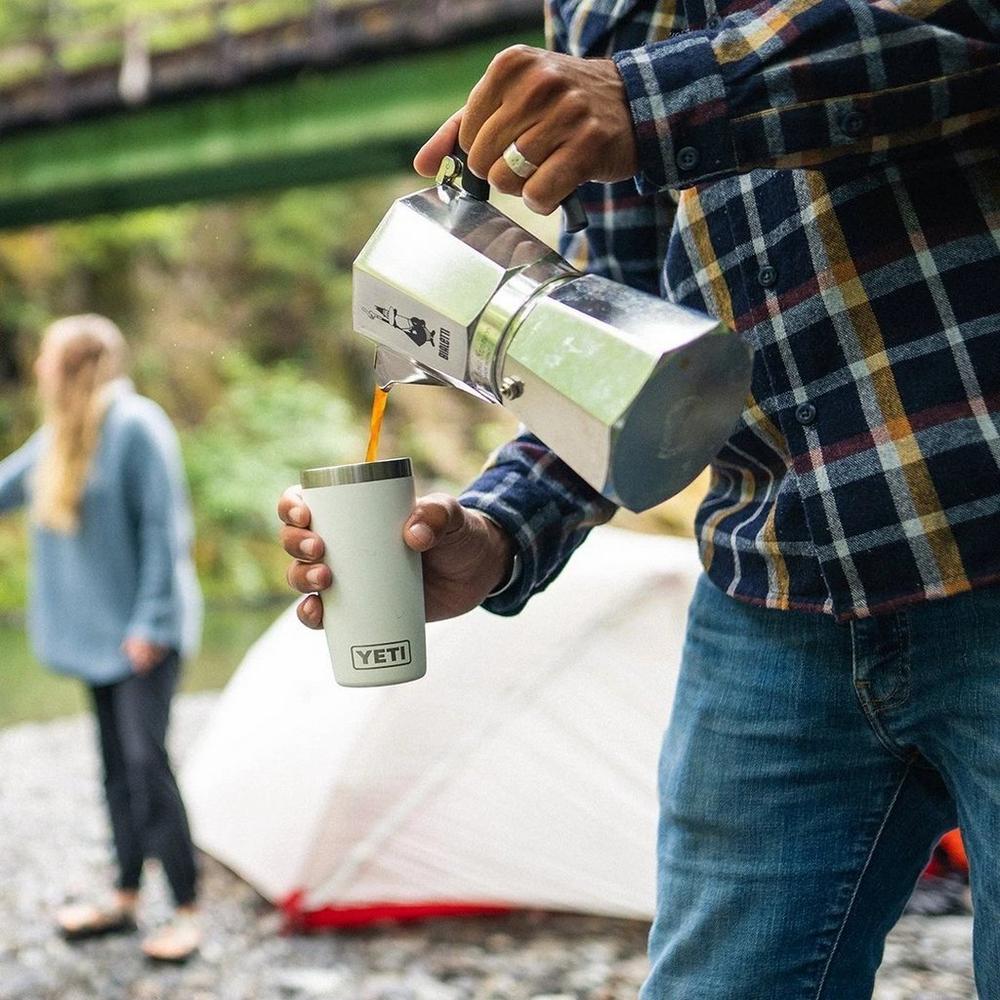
[[61, 59], [43, 37]]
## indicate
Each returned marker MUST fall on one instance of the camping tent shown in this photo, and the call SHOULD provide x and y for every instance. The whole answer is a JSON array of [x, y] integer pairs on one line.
[[520, 772]]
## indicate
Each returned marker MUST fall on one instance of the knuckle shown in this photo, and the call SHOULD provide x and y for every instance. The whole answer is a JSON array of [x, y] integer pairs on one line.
[[510, 57], [597, 129], [545, 81], [456, 513], [435, 498], [438, 510], [447, 502], [574, 104]]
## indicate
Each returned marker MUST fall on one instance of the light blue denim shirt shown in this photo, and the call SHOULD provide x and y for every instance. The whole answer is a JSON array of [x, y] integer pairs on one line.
[[127, 571]]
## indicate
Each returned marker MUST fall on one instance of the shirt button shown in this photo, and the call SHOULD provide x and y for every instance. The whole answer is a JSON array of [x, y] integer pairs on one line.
[[805, 413], [687, 157], [767, 276], [854, 123], [713, 22]]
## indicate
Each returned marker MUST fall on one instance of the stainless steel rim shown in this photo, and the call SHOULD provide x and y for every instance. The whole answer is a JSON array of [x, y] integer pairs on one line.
[[360, 472], [499, 319]]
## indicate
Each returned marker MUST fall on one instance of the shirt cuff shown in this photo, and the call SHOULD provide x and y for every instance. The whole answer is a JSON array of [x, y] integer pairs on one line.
[[680, 114], [515, 566], [486, 496]]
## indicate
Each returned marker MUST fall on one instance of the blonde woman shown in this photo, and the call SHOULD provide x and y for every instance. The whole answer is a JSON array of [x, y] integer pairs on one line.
[[114, 601]]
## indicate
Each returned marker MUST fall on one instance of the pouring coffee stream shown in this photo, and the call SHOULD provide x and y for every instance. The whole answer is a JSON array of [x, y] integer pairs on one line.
[[379, 400]]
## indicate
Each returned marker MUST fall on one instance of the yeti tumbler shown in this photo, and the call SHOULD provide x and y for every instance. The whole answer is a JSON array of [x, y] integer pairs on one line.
[[373, 613]]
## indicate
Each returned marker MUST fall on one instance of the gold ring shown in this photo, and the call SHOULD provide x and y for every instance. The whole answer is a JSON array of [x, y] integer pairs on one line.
[[517, 162]]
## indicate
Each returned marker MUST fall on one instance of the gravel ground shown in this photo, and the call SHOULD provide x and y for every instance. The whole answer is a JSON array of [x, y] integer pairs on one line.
[[53, 845]]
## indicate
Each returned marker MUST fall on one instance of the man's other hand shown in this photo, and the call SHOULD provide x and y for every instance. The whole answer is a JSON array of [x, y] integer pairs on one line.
[[465, 555], [568, 116]]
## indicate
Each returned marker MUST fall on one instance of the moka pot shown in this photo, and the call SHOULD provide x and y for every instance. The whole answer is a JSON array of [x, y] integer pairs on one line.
[[634, 393]]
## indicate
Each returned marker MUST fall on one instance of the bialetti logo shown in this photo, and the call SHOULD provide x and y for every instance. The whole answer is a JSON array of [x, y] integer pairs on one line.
[[413, 327], [386, 654]]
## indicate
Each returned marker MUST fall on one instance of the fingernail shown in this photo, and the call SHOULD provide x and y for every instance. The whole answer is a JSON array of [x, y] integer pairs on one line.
[[308, 546], [297, 515], [421, 533], [316, 576]]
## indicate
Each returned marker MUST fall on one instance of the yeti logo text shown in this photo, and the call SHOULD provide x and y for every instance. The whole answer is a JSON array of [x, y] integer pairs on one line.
[[385, 654]]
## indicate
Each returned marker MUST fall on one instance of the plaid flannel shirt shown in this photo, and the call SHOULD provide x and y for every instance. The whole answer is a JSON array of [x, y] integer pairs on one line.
[[839, 207]]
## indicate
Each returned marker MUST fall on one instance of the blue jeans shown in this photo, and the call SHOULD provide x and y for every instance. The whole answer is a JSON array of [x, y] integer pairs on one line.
[[808, 769]]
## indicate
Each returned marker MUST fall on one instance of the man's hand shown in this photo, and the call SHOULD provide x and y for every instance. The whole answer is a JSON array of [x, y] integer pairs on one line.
[[465, 555], [143, 655], [568, 116]]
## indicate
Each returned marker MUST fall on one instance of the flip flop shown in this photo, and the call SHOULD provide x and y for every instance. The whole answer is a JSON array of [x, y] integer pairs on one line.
[[176, 942], [82, 921]]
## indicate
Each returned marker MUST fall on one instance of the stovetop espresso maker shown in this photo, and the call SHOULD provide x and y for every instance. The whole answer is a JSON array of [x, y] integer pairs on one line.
[[633, 393]]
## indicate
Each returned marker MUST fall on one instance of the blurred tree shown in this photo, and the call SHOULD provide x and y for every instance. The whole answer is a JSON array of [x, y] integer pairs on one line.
[[268, 426]]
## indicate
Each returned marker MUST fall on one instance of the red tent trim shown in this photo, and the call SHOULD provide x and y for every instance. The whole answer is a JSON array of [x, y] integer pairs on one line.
[[297, 918], [949, 857]]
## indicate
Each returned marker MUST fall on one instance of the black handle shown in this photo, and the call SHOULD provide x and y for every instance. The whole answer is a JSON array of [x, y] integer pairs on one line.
[[574, 214]]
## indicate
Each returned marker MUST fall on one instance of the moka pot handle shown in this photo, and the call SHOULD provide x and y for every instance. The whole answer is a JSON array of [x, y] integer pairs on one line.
[[574, 214]]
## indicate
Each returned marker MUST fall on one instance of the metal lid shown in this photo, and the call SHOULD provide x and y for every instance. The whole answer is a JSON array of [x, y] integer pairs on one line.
[[360, 472]]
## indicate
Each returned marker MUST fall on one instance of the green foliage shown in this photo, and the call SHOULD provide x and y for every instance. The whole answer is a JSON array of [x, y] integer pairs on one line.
[[26, 20], [270, 424], [21, 20], [13, 563], [252, 15]]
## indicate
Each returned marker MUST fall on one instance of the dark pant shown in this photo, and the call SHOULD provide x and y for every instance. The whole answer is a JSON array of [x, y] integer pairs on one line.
[[147, 814]]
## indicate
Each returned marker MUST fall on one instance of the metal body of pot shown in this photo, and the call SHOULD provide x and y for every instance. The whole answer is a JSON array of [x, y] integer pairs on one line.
[[635, 394]]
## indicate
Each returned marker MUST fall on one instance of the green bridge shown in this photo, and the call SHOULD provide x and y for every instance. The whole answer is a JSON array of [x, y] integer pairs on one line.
[[338, 91]]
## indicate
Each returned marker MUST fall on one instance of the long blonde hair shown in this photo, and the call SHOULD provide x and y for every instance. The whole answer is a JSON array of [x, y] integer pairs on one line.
[[85, 353]]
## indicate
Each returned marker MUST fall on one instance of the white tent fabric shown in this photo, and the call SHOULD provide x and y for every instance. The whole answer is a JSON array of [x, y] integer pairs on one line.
[[520, 771]]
